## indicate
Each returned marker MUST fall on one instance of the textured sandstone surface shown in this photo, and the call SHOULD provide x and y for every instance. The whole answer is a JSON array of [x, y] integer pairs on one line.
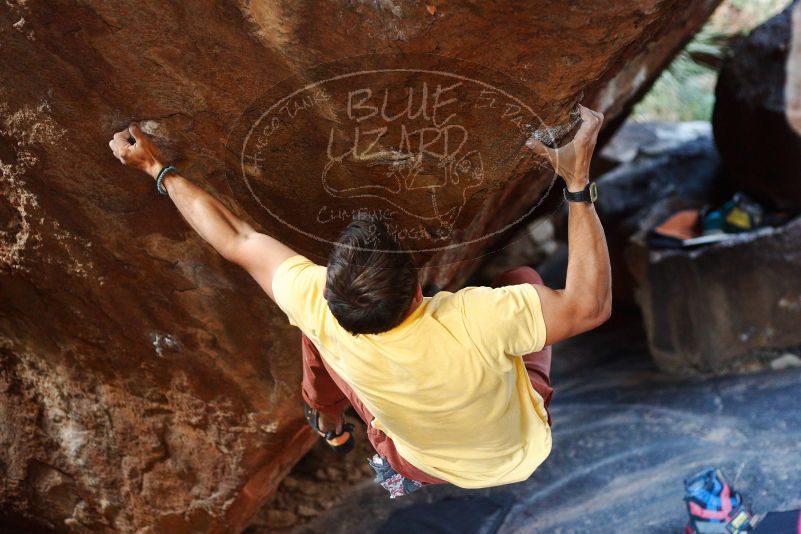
[[145, 385]]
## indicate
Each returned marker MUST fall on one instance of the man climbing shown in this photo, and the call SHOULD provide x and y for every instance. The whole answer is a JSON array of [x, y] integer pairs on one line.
[[453, 388]]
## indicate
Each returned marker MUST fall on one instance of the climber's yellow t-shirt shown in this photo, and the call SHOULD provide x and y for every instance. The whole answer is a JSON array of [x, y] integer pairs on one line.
[[447, 384]]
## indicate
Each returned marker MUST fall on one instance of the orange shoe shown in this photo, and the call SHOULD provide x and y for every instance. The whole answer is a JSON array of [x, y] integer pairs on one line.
[[342, 443]]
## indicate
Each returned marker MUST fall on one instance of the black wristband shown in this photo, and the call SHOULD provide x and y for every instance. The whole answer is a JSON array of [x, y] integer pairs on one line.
[[589, 194], [162, 173]]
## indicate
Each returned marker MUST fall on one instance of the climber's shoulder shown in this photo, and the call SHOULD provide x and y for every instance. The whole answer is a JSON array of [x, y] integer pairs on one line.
[[298, 287]]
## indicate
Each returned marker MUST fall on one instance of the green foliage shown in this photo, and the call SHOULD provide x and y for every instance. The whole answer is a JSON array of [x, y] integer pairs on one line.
[[685, 90]]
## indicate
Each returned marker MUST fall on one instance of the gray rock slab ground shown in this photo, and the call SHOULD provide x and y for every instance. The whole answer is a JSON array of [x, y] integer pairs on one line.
[[625, 436]]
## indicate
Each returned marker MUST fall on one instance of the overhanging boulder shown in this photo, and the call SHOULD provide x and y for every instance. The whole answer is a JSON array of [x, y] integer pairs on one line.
[[144, 383]]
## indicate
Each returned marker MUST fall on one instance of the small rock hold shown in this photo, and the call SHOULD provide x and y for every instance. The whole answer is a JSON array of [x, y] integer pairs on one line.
[[271, 428], [785, 361], [304, 510], [308, 487], [291, 483], [19, 24], [161, 342], [281, 518], [332, 473], [156, 397]]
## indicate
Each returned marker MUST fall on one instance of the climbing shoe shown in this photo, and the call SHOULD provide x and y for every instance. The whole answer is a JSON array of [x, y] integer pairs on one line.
[[342, 443], [714, 507], [740, 214]]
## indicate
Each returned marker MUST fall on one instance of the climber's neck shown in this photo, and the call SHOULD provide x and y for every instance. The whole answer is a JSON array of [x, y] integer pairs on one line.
[[417, 300]]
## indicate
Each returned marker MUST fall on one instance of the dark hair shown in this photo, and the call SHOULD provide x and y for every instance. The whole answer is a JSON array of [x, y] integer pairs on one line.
[[371, 280]]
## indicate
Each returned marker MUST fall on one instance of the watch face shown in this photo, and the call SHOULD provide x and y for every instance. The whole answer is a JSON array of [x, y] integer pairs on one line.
[[593, 192]]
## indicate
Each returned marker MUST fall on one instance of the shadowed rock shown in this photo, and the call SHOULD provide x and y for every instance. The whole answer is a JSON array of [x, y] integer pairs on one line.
[[761, 152], [712, 309]]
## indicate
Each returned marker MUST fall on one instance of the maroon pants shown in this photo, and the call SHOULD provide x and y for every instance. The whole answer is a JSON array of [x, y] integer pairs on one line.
[[324, 390]]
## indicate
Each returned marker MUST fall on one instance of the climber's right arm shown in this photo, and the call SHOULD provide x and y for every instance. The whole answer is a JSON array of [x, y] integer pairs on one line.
[[259, 254], [235, 240]]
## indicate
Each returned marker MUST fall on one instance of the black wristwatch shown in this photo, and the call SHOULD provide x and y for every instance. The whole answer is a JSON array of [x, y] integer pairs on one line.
[[588, 194]]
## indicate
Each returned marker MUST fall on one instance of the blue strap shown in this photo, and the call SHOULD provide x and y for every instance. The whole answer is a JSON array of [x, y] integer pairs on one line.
[[160, 179]]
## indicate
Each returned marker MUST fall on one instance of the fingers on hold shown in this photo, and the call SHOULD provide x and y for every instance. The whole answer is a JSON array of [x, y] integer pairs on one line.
[[589, 115], [538, 147], [114, 149], [586, 128], [135, 131], [119, 145], [121, 137]]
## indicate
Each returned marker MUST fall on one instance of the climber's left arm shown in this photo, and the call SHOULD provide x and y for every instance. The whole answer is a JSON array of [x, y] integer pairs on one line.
[[257, 253]]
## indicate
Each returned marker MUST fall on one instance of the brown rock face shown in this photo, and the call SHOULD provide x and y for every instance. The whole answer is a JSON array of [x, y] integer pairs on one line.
[[145, 384]]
